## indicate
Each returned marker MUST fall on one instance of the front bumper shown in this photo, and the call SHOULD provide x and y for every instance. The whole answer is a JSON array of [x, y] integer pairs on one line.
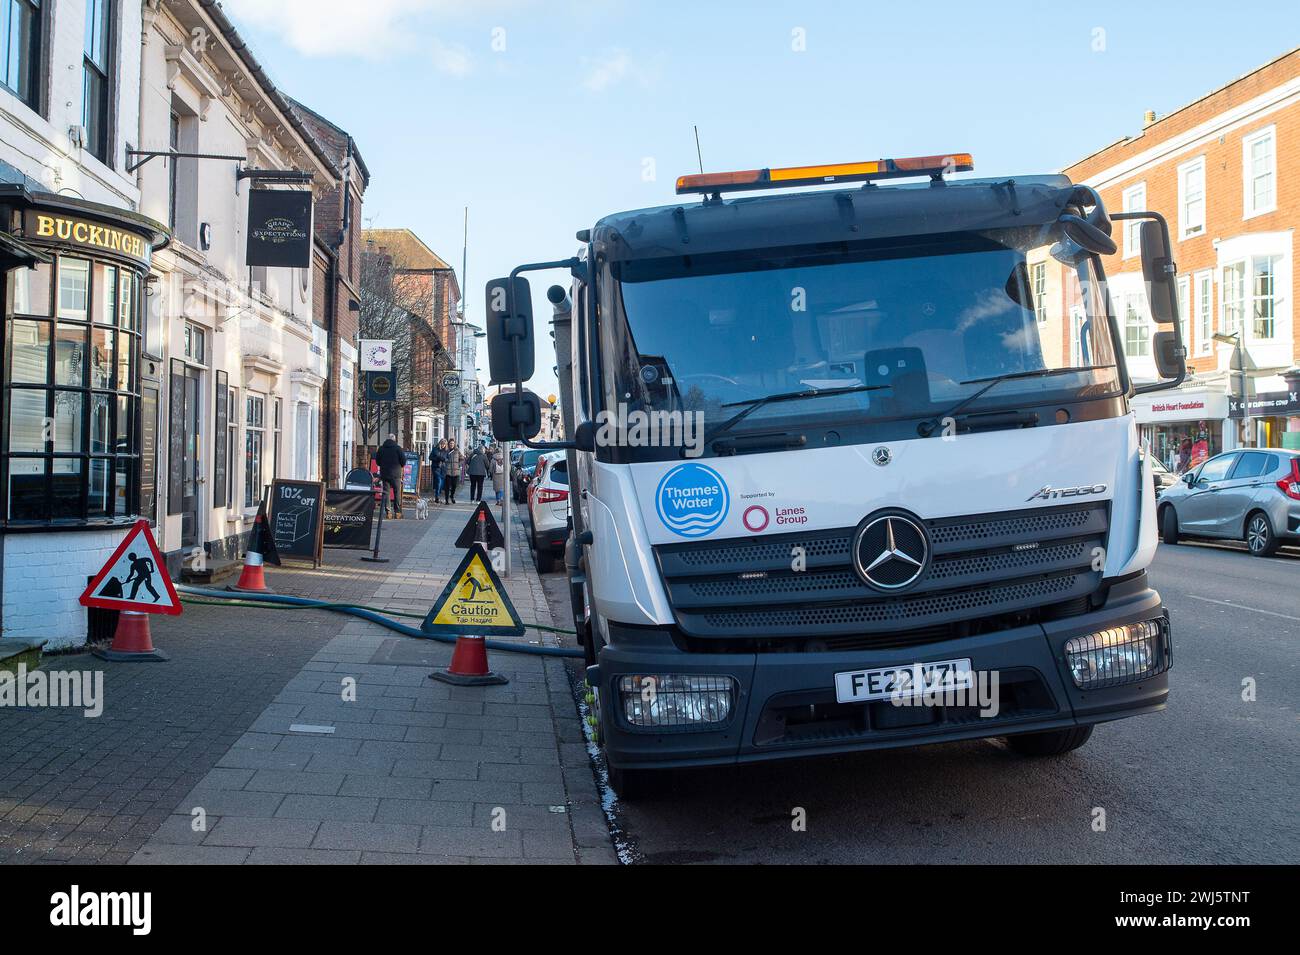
[[785, 704]]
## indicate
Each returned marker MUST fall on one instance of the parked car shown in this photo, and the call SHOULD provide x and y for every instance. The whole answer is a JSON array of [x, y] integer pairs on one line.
[[1252, 494], [522, 463], [1164, 478], [548, 509]]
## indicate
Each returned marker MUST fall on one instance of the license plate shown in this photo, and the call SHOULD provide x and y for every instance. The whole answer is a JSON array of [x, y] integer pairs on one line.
[[861, 686]]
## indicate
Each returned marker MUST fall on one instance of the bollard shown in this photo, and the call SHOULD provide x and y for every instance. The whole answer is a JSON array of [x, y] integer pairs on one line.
[[379, 529]]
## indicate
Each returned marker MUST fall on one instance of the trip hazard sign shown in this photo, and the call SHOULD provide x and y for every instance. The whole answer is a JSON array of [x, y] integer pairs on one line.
[[134, 578], [474, 602]]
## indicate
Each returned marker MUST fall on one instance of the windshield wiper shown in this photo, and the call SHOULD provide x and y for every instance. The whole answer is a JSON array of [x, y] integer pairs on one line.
[[753, 404], [927, 427]]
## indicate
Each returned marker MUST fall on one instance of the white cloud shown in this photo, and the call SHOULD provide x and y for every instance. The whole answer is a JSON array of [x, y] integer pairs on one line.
[[614, 67], [364, 28]]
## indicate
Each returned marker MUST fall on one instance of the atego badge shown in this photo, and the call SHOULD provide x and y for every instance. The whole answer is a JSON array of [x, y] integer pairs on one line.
[[134, 578], [474, 602]]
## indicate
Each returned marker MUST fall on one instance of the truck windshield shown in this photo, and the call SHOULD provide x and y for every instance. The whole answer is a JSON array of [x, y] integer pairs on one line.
[[894, 332]]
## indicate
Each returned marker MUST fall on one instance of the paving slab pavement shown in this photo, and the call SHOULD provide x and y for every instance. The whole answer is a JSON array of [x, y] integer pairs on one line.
[[361, 758]]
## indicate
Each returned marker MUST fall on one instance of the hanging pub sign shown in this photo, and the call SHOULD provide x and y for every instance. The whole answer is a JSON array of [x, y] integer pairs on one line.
[[381, 386], [279, 228]]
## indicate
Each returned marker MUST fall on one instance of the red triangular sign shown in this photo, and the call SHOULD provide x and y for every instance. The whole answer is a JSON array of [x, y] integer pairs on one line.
[[135, 578]]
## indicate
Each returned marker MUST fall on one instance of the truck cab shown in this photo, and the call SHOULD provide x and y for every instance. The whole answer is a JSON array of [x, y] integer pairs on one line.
[[853, 466]]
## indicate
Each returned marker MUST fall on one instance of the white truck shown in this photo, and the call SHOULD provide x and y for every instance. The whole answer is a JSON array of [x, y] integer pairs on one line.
[[852, 466]]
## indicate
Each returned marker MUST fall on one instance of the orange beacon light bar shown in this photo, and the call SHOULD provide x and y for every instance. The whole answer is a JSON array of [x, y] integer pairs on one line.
[[933, 166]]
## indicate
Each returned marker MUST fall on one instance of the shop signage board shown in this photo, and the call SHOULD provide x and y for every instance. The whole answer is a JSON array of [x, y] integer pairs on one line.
[[279, 228], [349, 516], [297, 518], [87, 234]]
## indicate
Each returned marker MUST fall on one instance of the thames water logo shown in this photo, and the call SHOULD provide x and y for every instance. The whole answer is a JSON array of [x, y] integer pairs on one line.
[[692, 500]]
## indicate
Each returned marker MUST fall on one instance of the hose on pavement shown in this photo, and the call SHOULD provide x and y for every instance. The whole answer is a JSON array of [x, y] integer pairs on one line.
[[284, 601]]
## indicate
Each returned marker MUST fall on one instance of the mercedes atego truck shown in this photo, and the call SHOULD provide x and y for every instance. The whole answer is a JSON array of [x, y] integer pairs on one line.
[[852, 462]]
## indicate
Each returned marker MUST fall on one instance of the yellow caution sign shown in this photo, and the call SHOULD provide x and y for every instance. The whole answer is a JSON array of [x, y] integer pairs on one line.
[[474, 602]]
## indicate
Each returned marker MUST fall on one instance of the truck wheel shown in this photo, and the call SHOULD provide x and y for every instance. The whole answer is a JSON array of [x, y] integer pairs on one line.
[[1050, 743], [1259, 535], [1169, 525], [545, 558]]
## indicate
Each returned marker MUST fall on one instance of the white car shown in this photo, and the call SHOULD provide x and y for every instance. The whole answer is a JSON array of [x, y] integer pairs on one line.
[[548, 509]]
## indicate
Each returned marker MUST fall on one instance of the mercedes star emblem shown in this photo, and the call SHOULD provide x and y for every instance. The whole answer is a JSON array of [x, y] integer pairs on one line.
[[881, 456], [890, 552]]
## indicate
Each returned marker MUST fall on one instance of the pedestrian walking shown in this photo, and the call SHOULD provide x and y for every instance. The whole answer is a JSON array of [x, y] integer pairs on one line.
[[498, 474], [452, 464], [476, 465], [391, 459], [438, 462]]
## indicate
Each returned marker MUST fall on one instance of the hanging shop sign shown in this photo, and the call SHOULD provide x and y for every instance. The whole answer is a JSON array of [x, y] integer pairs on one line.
[[381, 386], [86, 234], [279, 228], [376, 354]]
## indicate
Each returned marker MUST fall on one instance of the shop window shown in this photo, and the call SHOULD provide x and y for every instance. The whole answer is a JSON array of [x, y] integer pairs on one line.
[[20, 49], [1259, 173], [72, 393], [95, 76], [254, 433]]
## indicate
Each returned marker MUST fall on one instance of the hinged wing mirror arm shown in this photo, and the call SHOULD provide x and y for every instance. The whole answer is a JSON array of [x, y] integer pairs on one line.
[[520, 407]]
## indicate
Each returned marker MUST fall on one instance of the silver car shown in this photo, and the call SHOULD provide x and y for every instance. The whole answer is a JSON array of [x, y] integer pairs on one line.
[[1252, 494]]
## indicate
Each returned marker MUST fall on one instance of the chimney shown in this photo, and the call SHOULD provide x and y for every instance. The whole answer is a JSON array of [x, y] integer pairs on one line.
[[1148, 118]]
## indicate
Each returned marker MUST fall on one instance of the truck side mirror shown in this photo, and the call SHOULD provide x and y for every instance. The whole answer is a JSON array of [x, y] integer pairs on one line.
[[516, 416], [1158, 271], [509, 332], [1170, 356]]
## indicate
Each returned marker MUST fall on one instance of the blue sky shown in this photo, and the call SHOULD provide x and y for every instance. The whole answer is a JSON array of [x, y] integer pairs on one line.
[[542, 117]]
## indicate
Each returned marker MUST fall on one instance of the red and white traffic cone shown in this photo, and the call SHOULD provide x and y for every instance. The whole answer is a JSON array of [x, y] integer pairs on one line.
[[252, 578], [131, 640], [469, 665]]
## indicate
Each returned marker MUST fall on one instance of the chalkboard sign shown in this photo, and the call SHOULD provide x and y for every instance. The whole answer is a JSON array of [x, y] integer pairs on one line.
[[220, 439], [297, 512], [176, 438], [411, 472], [348, 516]]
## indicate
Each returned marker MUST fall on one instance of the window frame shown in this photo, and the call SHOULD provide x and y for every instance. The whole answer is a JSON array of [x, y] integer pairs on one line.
[[34, 98], [99, 139], [254, 448], [120, 394], [1132, 235], [1254, 297], [1248, 208], [1185, 231], [1239, 301], [1202, 282]]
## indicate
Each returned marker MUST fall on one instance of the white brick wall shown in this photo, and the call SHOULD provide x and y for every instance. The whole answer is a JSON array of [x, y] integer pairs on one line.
[[44, 574]]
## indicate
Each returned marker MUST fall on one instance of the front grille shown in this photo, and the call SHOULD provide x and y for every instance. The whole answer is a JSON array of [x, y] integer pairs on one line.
[[983, 568]]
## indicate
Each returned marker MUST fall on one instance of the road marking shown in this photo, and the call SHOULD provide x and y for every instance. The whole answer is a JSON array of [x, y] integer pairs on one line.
[[1284, 616]]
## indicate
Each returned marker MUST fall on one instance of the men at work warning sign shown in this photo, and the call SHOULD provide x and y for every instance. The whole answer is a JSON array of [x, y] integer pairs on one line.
[[134, 578], [474, 602]]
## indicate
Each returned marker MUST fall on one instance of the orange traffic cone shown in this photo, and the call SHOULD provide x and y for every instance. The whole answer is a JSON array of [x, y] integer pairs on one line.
[[261, 547], [131, 639], [469, 665]]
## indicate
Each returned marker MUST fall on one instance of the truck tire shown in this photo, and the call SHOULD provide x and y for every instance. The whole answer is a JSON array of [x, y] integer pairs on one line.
[[1049, 743], [1260, 539], [1169, 524], [544, 556]]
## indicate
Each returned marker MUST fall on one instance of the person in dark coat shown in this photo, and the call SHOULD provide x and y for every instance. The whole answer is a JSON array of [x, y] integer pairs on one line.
[[476, 466], [391, 459]]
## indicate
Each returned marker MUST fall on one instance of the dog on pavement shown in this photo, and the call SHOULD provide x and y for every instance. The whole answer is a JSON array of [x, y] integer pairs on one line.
[[421, 509]]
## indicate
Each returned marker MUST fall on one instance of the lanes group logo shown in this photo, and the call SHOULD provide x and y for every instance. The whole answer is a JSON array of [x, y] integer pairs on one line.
[[692, 500]]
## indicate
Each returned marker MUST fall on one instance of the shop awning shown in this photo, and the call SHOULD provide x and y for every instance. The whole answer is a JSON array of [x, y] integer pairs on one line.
[[14, 253]]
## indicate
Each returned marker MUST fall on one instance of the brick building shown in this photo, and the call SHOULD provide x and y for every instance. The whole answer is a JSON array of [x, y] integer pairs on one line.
[[431, 292], [1222, 171], [336, 304]]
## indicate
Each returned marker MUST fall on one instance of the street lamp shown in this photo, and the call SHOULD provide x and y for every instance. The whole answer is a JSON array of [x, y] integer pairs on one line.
[[1239, 349]]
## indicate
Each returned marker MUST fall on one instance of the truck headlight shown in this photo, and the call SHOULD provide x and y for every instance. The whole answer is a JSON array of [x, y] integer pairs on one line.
[[666, 700], [1119, 655]]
